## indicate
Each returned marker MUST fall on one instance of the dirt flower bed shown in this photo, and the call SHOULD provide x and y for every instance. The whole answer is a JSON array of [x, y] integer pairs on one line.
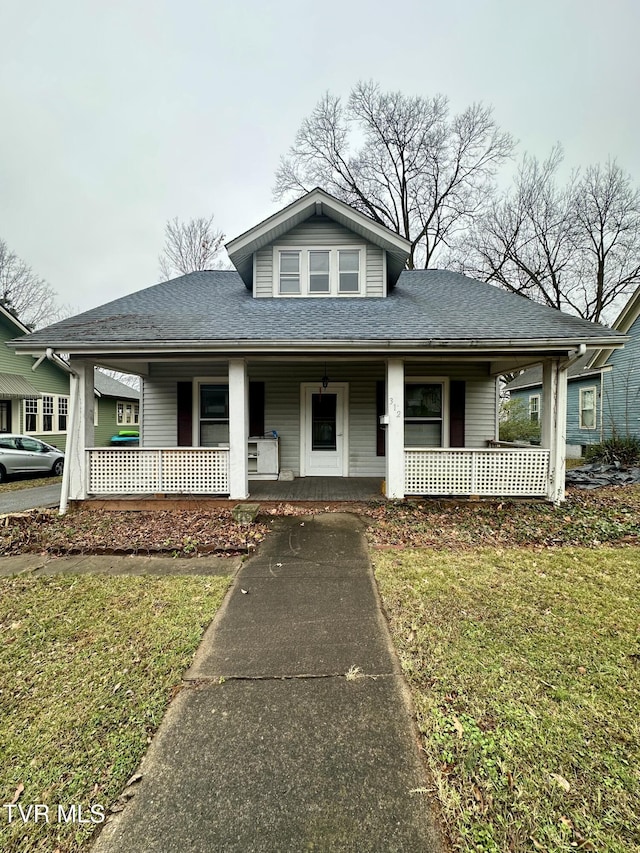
[[609, 515], [605, 516], [90, 531]]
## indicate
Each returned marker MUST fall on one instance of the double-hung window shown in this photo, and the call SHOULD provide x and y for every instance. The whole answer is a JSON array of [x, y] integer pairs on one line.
[[534, 408], [289, 281], [213, 401], [588, 408], [128, 413], [319, 271], [425, 413], [46, 414]]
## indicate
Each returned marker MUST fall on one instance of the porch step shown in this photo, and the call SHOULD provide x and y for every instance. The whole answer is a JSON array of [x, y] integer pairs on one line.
[[245, 513]]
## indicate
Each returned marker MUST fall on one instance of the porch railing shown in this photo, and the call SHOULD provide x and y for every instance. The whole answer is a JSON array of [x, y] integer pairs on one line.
[[490, 472], [173, 470]]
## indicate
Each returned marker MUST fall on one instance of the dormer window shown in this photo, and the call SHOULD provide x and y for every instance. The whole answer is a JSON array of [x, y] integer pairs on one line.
[[289, 273], [319, 271]]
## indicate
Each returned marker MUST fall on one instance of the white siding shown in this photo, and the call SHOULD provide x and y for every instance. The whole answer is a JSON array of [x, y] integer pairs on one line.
[[320, 231], [159, 398], [282, 403]]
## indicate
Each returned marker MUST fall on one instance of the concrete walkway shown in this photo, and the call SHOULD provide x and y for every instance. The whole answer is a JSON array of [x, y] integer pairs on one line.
[[270, 746]]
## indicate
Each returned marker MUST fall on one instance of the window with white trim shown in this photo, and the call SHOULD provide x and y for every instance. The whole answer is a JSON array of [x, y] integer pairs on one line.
[[319, 271], [63, 413], [128, 413], [534, 408], [213, 413], [46, 414], [31, 414], [588, 408], [425, 409]]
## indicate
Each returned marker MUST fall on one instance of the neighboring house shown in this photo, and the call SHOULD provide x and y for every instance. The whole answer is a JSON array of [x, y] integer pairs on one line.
[[584, 402], [32, 401], [320, 335], [603, 389], [36, 402], [117, 408]]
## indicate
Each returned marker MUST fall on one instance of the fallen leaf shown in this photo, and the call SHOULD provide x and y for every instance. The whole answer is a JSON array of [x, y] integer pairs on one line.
[[458, 727], [16, 796], [560, 780]]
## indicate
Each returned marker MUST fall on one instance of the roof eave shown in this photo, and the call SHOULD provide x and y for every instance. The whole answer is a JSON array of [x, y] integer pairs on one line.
[[489, 346]]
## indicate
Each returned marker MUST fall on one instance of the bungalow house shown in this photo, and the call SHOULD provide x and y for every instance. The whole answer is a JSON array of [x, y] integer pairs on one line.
[[319, 355], [603, 389]]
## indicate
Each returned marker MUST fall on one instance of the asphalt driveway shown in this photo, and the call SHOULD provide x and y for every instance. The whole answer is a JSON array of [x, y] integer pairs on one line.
[[23, 499]]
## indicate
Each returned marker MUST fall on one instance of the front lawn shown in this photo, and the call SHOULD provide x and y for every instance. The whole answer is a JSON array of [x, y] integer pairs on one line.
[[525, 671], [87, 668]]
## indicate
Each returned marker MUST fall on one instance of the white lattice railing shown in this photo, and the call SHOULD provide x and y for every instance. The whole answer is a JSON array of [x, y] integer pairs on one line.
[[141, 470], [494, 472]]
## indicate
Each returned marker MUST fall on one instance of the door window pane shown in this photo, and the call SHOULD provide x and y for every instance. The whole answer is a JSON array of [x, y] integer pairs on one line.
[[323, 422]]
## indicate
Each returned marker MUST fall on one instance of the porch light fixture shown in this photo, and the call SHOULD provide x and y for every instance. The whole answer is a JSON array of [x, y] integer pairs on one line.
[[325, 378]]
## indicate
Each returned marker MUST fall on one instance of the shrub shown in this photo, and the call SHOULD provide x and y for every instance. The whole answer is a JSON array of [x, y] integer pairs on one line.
[[516, 423], [625, 451]]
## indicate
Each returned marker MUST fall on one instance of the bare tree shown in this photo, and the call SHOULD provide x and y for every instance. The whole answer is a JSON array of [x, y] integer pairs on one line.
[[25, 294], [607, 210], [190, 246], [403, 161], [572, 246]]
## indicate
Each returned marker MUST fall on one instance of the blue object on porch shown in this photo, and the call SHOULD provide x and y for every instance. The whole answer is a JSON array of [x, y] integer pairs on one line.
[[125, 440]]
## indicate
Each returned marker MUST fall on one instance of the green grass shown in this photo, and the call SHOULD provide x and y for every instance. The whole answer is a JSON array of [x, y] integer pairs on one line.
[[87, 667], [524, 668]]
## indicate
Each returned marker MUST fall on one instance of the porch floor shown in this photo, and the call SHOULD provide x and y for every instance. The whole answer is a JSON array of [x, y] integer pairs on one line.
[[317, 489], [300, 490]]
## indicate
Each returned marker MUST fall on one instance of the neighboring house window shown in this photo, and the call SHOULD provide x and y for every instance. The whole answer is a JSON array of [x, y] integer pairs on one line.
[[128, 413], [319, 271], [214, 414], [47, 414], [63, 412], [588, 408], [424, 413], [534, 409]]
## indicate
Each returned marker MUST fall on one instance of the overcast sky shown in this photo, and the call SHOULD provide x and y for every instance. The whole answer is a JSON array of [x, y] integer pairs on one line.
[[116, 116]]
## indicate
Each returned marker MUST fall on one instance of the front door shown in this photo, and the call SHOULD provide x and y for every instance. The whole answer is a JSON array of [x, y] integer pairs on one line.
[[324, 431]]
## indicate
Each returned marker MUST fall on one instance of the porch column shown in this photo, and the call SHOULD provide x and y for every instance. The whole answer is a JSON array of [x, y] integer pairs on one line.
[[554, 425], [395, 428], [238, 429], [80, 431]]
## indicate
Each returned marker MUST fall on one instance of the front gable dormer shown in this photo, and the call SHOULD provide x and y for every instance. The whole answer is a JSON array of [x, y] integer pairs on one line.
[[319, 246]]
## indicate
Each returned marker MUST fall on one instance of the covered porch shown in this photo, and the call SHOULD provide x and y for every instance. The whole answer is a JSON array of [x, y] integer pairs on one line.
[[380, 428]]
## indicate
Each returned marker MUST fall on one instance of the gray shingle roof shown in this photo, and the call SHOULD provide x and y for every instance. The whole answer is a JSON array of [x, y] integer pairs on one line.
[[109, 386], [430, 306], [533, 376]]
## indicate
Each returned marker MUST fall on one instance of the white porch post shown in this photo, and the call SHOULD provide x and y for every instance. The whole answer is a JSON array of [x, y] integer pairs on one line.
[[554, 425], [395, 428], [238, 429], [80, 433]]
